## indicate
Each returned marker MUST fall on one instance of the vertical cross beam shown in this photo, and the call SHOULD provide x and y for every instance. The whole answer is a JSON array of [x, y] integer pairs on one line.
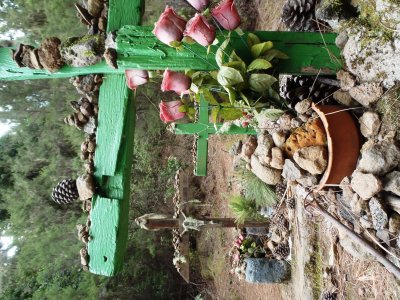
[[203, 128]]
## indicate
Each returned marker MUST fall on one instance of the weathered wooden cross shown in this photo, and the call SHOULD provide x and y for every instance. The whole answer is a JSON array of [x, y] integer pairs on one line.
[[138, 48]]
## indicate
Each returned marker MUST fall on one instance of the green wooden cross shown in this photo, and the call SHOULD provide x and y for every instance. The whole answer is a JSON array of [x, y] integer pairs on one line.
[[137, 48]]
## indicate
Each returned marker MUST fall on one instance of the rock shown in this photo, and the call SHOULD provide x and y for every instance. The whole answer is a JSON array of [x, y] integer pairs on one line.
[[341, 39], [291, 171], [303, 106], [277, 158], [346, 189], [344, 98], [365, 185], [394, 223], [379, 158], [83, 51], [347, 80], [256, 230], [378, 214], [263, 150], [365, 222], [285, 121], [391, 183], [268, 175], [370, 123], [86, 186], [308, 180], [236, 148], [279, 138], [90, 126], [49, 54], [357, 205], [313, 159], [267, 211], [263, 270], [366, 93], [249, 147], [304, 118], [383, 235], [296, 123], [333, 13], [275, 237]]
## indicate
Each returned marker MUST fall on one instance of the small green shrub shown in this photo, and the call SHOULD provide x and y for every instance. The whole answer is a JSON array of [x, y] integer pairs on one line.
[[244, 209], [257, 190]]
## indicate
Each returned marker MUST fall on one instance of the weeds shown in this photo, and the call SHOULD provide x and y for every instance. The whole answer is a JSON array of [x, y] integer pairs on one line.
[[313, 268]]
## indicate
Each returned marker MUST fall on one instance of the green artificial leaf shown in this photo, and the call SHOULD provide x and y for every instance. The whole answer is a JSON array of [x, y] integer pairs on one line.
[[273, 94], [270, 114], [239, 31], [214, 114], [231, 94], [176, 44], [261, 48], [238, 65], [245, 99], [252, 39], [214, 74], [183, 108], [274, 53], [219, 55], [209, 96], [259, 64], [229, 76], [261, 82], [230, 113]]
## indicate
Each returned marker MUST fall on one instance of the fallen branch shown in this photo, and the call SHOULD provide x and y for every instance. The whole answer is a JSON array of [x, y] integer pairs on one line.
[[365, 245]]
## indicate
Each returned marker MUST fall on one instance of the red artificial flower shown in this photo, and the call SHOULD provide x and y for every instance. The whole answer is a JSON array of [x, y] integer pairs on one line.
[[200, 30], [134, 78], [226, 14], [169, 27], [199, 4], [169, 111], [175, 81]]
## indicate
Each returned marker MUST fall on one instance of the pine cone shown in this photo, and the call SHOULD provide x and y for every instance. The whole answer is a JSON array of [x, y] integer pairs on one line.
[[280, 191], [281, 222], [291, 203], [329, 296], [282, 251], [65, 192], [299, 15], [297, 88]]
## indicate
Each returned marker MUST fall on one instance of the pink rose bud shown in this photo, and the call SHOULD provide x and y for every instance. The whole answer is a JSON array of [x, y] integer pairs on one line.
[[169, 27], [236, 257], [241, 237], [245, 124], [134, 78], [200, 30], [175, 81], [238, 244], [169, 111], [226, 14], [199, 5]]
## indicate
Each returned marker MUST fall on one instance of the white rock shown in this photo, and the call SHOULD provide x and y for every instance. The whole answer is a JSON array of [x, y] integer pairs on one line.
[[263, 150], [296, 123], [344, 98], [308, 180], [366, 93], [379, 158], [279, 138], [347, 80], [86, 186], [285, 121], [370, 122], [391, 182], [268, 175], [365, 185], [378, 214], [277, 158], [303, 106], [291, 171], [313, 159]]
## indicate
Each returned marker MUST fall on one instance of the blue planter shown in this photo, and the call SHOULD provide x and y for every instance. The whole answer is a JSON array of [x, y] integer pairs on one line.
[[263, 270]]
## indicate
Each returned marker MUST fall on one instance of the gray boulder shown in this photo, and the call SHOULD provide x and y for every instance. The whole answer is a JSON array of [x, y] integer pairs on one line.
[[263, 270]]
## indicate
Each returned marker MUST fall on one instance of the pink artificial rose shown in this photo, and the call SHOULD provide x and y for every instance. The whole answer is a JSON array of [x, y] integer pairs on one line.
[[236, 257], [169, 111], [169, 27], [200, 30], [226, 14], [175, 81], [134, 78], [199, 4]]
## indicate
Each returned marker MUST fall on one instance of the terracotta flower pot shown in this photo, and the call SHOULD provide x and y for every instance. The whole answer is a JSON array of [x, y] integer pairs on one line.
[[343, 138]]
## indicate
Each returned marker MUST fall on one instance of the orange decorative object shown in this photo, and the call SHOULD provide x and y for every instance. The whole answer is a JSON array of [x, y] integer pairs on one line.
[[343, 137]]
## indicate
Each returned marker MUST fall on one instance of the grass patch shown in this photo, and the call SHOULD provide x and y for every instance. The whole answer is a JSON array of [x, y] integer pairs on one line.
[[314, 267], [244, 209]]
